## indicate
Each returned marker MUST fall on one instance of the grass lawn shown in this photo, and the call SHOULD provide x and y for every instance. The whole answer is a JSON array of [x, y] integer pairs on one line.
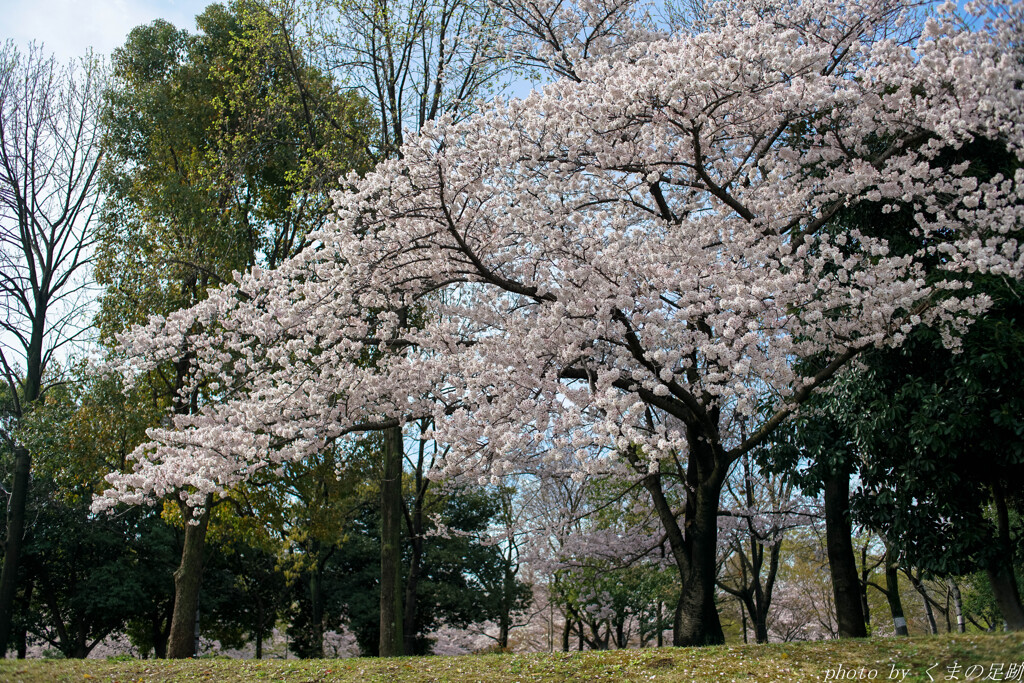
[[972, 657]]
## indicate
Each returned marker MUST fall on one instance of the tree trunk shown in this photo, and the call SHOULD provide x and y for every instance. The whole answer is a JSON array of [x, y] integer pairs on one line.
[[919, 587], [21, 637], [958, 605], [661, 631], [22, 478], [160, 634], [12, 547], [161, 630], [1000, 574], [316, 600], [696, 619], [933, 628], [760, 619], [865, 574], [187, 579], [1004, 589], [841, 560], [597, 642], [412, 581], [503, 629], [390, 546], [566, 632], [892, 593]]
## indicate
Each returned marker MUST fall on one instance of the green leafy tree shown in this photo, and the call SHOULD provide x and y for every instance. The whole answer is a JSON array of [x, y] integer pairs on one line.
[[244, 591], [935, 439], [222, 147], [944, 435], [84, 577]]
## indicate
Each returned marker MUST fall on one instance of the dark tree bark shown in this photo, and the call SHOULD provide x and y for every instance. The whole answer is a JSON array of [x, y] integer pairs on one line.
[[1001, 575], [842, 563], [187, 580], [915, 581], [412, 580], [696, 619], [13, 543], [22, 634], [391, 632], [261, 625], [161, 629], [620, 633], [865, 573], [316, 599], [892, 592], [505, 618]]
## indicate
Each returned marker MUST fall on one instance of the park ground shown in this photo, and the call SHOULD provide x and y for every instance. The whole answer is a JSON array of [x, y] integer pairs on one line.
[[979, 657]]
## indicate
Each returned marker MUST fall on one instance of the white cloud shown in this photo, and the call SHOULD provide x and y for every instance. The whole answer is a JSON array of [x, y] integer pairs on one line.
[[68, 28]]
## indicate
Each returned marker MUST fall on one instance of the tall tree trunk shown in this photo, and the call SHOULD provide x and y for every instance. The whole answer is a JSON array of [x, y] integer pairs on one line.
[[412, 581], [259, 630], [892, 592], [22, 479], [504, 625], [21, 636], [566, 632], [162, 629], [316, 600], [508, 585], [187, 579], [865, 574], [841, 560], [390, 546], [958, 605], [12, 546], [696, 619], [661, 631], [1000, 574], [760, 619], [933, 628], [597, 642]]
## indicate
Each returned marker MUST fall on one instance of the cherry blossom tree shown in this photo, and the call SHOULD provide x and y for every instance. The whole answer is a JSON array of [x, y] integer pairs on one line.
[[617, 269]]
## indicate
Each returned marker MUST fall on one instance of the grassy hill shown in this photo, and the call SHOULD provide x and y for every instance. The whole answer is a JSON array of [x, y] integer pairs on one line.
[[970, 657]]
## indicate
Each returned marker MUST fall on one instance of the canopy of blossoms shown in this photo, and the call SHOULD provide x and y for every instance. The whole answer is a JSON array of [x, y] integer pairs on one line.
[[631, 261]]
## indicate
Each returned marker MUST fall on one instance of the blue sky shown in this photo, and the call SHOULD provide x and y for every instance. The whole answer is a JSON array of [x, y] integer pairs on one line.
[[67, 28]]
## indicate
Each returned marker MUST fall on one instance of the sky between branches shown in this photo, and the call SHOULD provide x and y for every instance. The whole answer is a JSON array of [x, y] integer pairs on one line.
[[67, 28]]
